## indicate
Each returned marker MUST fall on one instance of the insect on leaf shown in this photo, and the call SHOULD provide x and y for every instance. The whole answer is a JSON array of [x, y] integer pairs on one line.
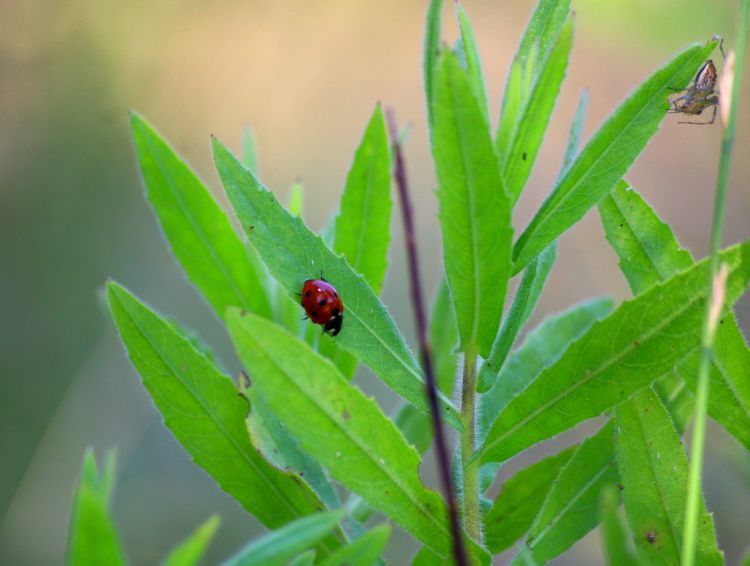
[[294, 254], [607, 156]]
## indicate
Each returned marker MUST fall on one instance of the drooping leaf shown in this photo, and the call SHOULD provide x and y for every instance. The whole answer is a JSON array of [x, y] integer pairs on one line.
[[340, 427], [198, 231], [532, 285], [518, 155], [191, 550], [614, 533], [279, 546], [653, 470], [200, 405], [519, 501], [92, 537], [608, 155], [431, 50], [293, 254], [638, 343], [473, 61], [362, 552], [570, 508], [649, 253], [474, 208], [542, 347]]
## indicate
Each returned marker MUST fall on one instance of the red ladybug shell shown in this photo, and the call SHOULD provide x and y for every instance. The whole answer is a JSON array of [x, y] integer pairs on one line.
[[323, 305]]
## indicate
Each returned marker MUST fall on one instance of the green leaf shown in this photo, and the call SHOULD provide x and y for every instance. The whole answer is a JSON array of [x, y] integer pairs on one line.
[[608, 155], [362, 552], [649, 253], [528, 64], [431, 50], [639, 342], [519, 501], [615, 535], [542, 347], [473, 61], [363, 223], [654, 470], [200, 405], [199, 232], [288, 310], [270, 436], [191, 550], [426, 557], [293, 254], [340, 427], [362, 227], [474, 208], [280, 546], [527, 295], [93, 538], [518, 154], [574, 136], [570, 508]]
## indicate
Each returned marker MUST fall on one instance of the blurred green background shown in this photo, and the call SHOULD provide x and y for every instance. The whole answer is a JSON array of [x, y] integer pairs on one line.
[[305, 75]]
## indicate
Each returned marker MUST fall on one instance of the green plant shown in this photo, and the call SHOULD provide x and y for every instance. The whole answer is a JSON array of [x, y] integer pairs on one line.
[[299, 424]]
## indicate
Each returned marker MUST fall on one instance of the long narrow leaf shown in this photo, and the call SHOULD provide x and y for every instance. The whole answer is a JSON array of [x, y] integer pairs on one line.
[[362, 552], [431, 50], [653, 469], [293, 254], [632, 347], [340, 427], [198, 231], [614, 533], [278, 547], [570, 508], [201, 407], [519, 501], [518, 158], [608, 155], [191, 550], [93, 537], [473, 61], [524, 301], [649, 253], [474, 208]]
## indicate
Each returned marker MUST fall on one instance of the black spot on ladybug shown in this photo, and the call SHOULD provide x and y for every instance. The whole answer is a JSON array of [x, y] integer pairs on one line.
[[523, 156], [651, 536], [307, 293], [335, 294], [314, 313], [322, 302]]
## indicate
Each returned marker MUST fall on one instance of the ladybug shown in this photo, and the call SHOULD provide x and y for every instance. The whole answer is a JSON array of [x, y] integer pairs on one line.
[[323, 305]]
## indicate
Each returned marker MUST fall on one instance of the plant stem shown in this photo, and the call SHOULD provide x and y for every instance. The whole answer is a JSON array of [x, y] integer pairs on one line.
[[444, 468], [468, 439], [692, 508]]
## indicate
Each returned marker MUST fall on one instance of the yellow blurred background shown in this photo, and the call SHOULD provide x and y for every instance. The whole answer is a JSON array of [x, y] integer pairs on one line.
[[306, 76]]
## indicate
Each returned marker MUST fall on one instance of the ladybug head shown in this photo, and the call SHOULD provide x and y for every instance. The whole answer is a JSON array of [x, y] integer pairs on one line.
[[333, 326]]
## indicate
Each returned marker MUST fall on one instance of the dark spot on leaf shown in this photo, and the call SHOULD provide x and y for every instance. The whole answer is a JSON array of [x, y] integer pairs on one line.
[[622, 225], [346, 415], [651, 536], [251, 228], [636, 343], [523, 156], [620, 486], [243, 313], [301, 474]]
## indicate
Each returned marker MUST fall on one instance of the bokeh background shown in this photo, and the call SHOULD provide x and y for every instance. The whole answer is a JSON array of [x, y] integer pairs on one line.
[[305, 75]]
